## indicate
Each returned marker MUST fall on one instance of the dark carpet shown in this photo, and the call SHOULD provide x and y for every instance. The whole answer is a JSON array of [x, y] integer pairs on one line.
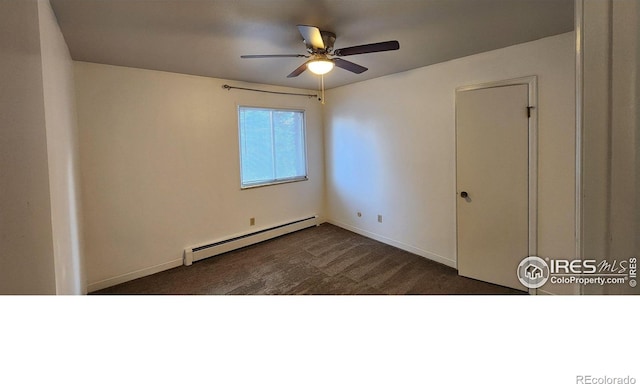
[[325, 260]]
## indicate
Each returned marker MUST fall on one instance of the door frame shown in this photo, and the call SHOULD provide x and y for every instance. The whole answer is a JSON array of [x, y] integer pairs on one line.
[[532, 86]]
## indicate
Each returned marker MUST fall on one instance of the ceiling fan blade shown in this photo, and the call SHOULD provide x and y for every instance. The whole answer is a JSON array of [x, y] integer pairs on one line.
[[368, 48], [296, 72], [311, 36], [349, 66], [269, 56]]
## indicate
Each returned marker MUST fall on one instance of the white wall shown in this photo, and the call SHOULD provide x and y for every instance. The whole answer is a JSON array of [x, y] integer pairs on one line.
[[390, 149], [36, 118], [160, 168], [26, 256], [60, 116]]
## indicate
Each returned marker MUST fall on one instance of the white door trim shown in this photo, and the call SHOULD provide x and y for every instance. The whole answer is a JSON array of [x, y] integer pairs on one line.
[[579, 20], [532, 83]]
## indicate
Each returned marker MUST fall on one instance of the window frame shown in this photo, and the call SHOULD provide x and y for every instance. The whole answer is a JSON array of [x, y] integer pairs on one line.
[[304, 147]]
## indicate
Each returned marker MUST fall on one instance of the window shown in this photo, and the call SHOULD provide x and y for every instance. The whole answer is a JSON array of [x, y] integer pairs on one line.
[[272, 146]]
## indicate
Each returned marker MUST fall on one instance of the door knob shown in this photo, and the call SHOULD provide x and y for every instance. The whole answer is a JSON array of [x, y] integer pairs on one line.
[[464, 194]]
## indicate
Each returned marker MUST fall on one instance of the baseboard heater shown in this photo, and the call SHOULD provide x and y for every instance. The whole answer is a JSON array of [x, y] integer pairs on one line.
[[204, 251]]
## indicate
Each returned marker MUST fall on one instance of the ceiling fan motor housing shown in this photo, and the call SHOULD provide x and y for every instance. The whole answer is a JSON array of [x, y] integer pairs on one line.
[[328, 38]]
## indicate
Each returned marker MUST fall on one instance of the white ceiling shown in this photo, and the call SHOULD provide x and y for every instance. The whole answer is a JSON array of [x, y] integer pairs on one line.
[[207, 37]]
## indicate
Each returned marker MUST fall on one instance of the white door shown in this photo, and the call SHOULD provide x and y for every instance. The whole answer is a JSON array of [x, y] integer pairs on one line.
[[492, 135]]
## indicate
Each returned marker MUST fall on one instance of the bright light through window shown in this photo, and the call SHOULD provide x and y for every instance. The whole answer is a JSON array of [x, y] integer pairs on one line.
[[272, 146]]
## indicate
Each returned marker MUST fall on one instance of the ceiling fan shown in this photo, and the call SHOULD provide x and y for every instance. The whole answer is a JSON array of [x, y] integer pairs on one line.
[[321, 53]]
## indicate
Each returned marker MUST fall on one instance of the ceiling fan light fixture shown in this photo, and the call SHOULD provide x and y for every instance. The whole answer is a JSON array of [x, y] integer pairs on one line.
[[320, 66]]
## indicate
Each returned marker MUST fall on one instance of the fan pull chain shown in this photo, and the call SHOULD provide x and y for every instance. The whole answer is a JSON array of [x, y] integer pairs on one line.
[[322, 85]]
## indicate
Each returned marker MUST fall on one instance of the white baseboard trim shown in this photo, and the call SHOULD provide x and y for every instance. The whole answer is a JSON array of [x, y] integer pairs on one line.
[[106, 283], [420, 252]]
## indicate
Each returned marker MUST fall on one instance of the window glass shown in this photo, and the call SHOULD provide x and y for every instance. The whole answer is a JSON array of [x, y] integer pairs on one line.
[[272, 146]]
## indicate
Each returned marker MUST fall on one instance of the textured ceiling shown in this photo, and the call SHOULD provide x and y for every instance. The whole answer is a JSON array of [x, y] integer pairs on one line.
[[207, 37]]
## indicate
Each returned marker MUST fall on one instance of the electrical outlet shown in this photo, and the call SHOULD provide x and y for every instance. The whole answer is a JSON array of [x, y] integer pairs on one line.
[[379, 218], [252, 221], [359, 214]]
